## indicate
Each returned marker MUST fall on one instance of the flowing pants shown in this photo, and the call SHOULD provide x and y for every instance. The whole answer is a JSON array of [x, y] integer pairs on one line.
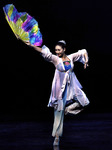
[[59, 118]]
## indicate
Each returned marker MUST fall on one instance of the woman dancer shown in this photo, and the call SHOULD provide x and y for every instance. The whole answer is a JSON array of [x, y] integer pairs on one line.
[[66, 95]]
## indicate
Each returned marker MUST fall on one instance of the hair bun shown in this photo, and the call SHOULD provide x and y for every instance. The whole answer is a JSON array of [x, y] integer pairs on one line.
[[62, 41]]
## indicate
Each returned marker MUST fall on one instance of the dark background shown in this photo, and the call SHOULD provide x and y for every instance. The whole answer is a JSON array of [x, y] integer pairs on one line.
[[26, 78]]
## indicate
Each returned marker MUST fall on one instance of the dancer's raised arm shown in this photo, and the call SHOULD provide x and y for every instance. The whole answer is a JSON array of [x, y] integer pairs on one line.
[[39, 49], [45, 53]]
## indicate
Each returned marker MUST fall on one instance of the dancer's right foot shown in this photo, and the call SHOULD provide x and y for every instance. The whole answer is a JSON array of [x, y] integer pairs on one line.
[[56, 141]]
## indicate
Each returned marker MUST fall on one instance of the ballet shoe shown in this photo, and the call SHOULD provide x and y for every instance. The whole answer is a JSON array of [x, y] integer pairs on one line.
[[56, 142]]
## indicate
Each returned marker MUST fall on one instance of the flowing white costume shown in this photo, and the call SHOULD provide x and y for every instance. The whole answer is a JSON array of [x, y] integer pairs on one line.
[[65, 86]]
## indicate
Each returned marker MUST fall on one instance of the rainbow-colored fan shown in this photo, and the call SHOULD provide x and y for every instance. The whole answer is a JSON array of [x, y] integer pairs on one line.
[[23, 25]]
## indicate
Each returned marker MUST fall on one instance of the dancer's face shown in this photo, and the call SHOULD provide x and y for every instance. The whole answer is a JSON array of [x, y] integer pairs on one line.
[[59, 51]]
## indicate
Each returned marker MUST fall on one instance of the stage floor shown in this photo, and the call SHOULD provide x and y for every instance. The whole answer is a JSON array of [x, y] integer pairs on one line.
[[81, 132]]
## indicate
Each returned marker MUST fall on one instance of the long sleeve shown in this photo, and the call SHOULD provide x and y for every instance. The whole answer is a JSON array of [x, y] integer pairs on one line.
[[48, 55], [79, 56]]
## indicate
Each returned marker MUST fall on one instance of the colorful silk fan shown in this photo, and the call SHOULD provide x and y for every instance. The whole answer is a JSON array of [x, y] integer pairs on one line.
[[23, 25]]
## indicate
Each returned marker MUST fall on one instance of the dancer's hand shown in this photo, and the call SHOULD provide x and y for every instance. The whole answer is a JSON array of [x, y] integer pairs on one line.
[[86, 60], [86, 65], [28, 43]]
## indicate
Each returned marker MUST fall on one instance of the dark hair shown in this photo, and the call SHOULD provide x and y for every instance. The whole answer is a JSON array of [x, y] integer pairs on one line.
[[63, 45]]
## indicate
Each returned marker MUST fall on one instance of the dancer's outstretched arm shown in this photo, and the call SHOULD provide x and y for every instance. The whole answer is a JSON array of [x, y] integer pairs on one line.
[[39, 49]]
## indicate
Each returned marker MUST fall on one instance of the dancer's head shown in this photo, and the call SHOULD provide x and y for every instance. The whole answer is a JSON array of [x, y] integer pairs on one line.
[[60, 48]]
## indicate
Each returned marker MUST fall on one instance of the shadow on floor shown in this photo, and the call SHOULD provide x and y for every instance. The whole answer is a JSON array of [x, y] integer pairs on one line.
[[84, 132]]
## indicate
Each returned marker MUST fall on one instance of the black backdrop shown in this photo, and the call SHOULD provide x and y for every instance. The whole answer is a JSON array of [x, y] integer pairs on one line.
[[25, 78]]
